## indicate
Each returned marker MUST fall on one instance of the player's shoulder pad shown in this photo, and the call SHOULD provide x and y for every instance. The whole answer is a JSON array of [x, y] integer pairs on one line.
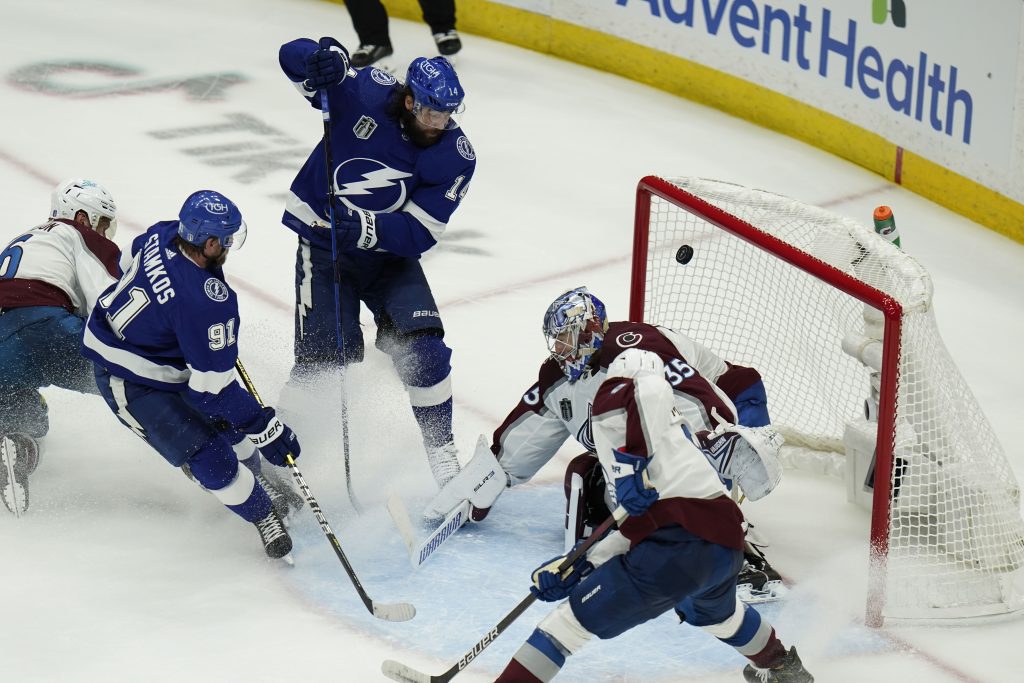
[[549, 375], [452, 156], [629, 335]]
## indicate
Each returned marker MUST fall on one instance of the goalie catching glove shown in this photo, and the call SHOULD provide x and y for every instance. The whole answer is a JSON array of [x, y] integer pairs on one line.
[[480, 482], [747, 455]]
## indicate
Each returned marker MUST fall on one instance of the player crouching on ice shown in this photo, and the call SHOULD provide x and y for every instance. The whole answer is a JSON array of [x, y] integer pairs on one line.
[[164, 343], [681, 545], [710, 395], [50, 277]]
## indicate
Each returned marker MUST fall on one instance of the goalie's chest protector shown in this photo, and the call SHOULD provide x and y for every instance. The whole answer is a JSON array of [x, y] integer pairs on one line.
[[573, 404]]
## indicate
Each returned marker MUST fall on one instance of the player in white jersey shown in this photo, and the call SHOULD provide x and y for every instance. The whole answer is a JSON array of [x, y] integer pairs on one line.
[[708, 393], [50, 277], [679, 546]]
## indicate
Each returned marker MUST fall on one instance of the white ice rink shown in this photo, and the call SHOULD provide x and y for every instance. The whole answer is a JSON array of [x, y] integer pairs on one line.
[[124, 571]]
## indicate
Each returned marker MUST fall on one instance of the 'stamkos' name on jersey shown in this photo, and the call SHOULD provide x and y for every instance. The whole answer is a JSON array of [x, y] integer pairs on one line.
[[156, 271]]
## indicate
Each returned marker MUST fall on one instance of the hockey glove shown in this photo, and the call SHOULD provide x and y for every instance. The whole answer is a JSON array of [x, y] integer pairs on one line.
[[550, 586], [327, 66], [631, 490], [275, 440], [357, 230]]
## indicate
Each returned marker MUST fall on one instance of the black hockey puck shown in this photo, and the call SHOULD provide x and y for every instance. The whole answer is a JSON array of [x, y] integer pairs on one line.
[[684, 254]]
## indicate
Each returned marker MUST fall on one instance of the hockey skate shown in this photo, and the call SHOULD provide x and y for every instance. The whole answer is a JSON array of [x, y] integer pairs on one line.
[[276, 541], [444, 463], [758, 581], [282, 496], [448, 42], [19, 456], [365, 55], [790, 671]]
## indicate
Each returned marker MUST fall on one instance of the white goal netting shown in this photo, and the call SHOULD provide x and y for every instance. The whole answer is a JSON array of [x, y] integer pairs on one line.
[[952, 539]]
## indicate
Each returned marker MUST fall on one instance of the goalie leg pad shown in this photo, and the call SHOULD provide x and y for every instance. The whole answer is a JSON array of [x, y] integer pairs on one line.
[[586, 506], [480, 482]]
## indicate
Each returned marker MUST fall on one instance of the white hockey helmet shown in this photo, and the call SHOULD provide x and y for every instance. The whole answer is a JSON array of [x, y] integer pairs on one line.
[[80, 194]]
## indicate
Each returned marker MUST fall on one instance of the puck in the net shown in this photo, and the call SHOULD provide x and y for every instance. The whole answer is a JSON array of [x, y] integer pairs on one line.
[[684, 254]]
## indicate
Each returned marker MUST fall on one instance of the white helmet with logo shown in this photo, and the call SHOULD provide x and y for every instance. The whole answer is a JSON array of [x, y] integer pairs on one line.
[[80, 194]]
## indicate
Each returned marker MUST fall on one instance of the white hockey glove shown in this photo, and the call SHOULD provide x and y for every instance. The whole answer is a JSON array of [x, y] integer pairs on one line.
[[747, 455], [480, 482]]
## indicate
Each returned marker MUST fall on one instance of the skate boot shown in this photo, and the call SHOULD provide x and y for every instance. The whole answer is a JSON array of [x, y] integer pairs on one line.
[[444, 462], [19, 456], [276, 540], [448, 42], [758, 581], [281, 488], [365, 55], [791, 670]]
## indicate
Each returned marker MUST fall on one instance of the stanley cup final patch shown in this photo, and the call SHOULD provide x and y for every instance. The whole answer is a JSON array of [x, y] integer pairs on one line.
[[566, 406], [364, 127]]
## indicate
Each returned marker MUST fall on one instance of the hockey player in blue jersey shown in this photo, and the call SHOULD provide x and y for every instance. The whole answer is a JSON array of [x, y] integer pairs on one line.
[[680, 545], [402, 166], [164, 343]]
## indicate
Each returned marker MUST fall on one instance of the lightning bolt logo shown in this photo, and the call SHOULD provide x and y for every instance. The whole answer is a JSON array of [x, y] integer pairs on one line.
[[379, 179]]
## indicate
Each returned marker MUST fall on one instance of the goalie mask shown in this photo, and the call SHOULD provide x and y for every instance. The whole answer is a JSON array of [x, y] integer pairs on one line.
[[574, 327], [79, 194]]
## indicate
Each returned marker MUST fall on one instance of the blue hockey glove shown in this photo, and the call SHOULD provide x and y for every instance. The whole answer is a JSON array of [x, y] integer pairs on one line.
[[357, 230], [630, 485], [274, 439], [327, 66], [550, 586]]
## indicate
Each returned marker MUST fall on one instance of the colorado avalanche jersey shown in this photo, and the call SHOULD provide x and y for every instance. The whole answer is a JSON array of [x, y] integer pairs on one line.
[[172, 325], [554, 409], [413, 190], [58, 263], [639, 416]]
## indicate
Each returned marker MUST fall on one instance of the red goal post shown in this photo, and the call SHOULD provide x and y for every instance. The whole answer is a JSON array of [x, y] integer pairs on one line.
[[839, 323]]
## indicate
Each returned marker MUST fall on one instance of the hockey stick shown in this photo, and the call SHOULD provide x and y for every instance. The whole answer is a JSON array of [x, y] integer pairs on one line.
[[419, 552], [325, 109], [397, 611], [405, 674]]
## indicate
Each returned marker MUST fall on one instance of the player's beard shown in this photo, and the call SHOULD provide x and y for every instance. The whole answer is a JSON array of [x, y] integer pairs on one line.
[[215, 263], [420, 136]]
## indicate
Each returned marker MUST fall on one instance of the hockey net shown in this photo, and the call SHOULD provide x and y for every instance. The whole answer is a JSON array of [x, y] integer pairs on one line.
[[840, 325]]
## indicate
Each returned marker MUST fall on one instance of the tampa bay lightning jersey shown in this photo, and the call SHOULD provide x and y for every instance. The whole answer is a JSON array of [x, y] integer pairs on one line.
[[413, 190], [171, 325]]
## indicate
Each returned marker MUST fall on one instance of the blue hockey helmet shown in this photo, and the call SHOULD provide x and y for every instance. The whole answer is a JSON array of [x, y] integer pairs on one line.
[[207, 214], [436, 91], [574, 327]]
